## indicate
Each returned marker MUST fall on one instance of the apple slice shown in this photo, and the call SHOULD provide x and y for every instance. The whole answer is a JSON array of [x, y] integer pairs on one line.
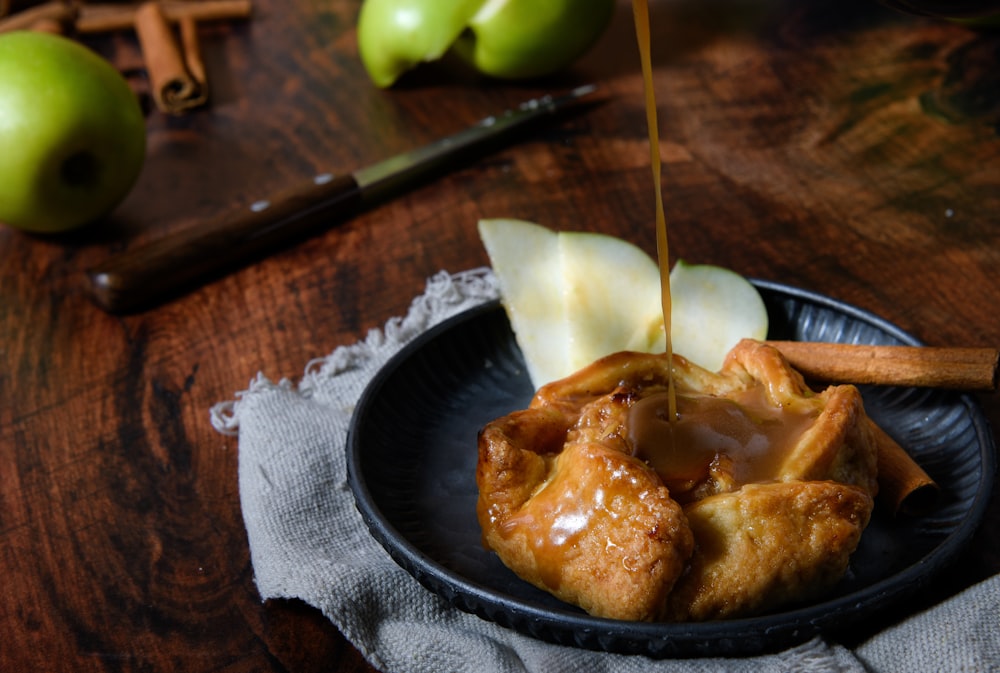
[[525, 259], [712, 308], [611, 293], [573, 297]]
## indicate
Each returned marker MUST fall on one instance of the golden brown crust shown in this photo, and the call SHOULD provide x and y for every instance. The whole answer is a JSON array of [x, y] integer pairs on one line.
[[768, 545], [570, 503], [592, 525]]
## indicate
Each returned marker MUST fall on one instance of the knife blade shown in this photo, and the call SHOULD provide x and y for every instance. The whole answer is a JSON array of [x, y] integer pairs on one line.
[[163, 269]]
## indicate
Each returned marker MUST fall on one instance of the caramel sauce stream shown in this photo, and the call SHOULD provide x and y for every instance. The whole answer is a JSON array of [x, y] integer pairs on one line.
[[640, 11]]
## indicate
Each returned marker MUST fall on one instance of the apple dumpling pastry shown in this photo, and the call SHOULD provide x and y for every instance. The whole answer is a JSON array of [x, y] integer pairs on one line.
[[752, 497]]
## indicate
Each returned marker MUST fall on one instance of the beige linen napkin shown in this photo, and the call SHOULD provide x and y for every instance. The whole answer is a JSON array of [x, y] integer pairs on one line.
[[307, 540]]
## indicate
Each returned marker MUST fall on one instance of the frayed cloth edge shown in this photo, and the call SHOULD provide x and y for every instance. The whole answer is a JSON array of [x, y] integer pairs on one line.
[[443, 292]]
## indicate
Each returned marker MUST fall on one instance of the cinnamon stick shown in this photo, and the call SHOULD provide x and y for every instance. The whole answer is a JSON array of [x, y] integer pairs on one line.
[[46, 14], [192, 52], [175, 90], [904, 486], [109, 17], [972, 369], [48, 26]]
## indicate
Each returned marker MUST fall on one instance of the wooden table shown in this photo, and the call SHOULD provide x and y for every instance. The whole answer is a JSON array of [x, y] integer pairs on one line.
[[838, 147]]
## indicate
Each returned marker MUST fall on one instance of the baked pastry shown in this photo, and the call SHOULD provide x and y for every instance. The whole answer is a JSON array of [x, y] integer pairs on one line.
[[753, 498]]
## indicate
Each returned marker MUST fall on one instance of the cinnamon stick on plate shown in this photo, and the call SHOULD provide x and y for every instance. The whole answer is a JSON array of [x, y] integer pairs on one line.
[[972, 369], [175, 87], [903, 486]]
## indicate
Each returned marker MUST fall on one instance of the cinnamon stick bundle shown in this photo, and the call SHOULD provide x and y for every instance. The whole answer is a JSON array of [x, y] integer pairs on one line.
[[972, 369]]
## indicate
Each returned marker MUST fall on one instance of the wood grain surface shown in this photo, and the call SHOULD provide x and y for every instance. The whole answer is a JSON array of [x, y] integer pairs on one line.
[[841, 147]]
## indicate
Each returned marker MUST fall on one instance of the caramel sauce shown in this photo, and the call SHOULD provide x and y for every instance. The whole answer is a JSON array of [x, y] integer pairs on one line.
[[640, 11], [582, 497], [744, 436]]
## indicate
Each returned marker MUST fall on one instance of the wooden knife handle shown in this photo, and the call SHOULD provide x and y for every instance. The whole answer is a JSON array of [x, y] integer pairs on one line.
[[140, 278]]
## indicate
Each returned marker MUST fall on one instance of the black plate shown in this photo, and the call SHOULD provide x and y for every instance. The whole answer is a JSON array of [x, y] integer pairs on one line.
[[412, 456]]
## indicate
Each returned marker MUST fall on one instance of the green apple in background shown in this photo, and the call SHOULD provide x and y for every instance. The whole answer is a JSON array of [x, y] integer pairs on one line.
[[72, 133], [509, 39]]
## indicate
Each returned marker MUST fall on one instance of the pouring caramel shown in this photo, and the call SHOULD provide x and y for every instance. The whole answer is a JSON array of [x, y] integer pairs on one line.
[[640, 11]]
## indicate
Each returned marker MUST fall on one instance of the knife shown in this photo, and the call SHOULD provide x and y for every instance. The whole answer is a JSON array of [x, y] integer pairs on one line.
[[166, 268]]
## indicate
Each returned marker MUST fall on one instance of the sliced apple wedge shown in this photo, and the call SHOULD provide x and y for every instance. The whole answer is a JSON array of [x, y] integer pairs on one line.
[[712, 308], [573, 297], [611, 293], [525, 259]]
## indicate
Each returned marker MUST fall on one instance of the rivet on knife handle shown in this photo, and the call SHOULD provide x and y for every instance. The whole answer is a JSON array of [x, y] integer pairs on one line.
[[140, 278]]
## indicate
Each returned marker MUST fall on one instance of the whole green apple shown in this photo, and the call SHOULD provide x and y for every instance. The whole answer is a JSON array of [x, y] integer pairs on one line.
[[72, 133], [508, 39]]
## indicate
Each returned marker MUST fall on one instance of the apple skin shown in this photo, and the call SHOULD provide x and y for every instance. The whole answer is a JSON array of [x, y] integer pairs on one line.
[[504, 39], [397, 35], [72, 132], [523, 39]]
